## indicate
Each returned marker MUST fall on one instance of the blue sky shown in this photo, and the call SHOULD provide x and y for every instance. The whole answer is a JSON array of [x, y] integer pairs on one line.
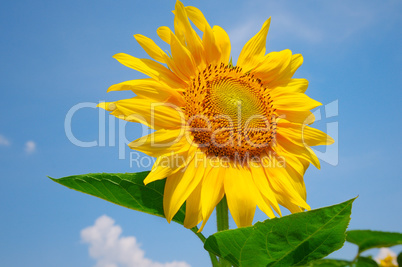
[[57, 54]]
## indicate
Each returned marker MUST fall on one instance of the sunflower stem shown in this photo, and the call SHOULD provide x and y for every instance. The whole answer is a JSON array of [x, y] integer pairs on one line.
[[200, 235], [222, 215], [222, 223], [214, 260]]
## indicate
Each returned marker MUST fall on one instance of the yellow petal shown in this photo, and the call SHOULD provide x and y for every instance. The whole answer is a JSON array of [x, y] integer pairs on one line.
[[149, 88], [130, 85], [153, 114], [169, 164], [285, 202], [299, 165], [258, 195], [178, 29], [182, 58], [295, 63], [293, 86], [261, 181], [212, 52], [176, 66], [296, 150], [254, 50], [196, 16], [284, 185], [273, 66], [212, 191], [152, 49], [281, 193], [303, 135], [166, 165], [240, 196], [161, 142], [152, 69], [295, 101], [159, 173], [183, 27], [296, 116], [223, 43], [297, 85], [297, 181], [295, 168], [178, 187], [164, 33], [193, 207]]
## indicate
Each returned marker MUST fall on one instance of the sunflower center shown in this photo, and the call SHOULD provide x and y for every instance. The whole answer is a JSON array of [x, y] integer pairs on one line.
[[230, 113], [235, 99]]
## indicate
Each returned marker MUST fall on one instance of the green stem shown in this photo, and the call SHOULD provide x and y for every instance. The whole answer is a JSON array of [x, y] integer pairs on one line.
[[214, 260], [200, 235], [357, 256], [222, 215], [222, 223]]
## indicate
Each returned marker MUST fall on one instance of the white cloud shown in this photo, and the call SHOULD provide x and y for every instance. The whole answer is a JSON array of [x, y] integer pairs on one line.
[[294, 26], [4, 141], [110, 249], [30, 147], [328, 22], [243, 32]]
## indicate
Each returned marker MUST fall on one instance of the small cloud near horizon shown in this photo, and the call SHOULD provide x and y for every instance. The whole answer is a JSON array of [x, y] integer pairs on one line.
[[110, 249], [4, 141], [30, 147]]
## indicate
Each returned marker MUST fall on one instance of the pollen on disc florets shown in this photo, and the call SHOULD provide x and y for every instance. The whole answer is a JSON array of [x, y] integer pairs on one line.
[[230, 113]]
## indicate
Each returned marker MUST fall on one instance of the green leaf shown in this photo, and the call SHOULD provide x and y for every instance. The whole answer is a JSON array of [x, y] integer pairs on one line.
[[365, 262], [399, 259], [124, 189], [291, 240], [329, 263], [360, 262], [367, 239]]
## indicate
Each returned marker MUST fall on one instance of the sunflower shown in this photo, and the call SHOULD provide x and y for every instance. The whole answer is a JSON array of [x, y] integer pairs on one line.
[[239, 132]]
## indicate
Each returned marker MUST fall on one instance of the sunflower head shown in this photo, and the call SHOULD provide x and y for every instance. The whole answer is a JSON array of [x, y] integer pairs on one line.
[[221, 130], [229, 113]]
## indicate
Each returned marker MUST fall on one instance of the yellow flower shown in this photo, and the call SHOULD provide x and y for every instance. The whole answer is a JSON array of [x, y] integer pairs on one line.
[[221, 130], [386, 258]]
